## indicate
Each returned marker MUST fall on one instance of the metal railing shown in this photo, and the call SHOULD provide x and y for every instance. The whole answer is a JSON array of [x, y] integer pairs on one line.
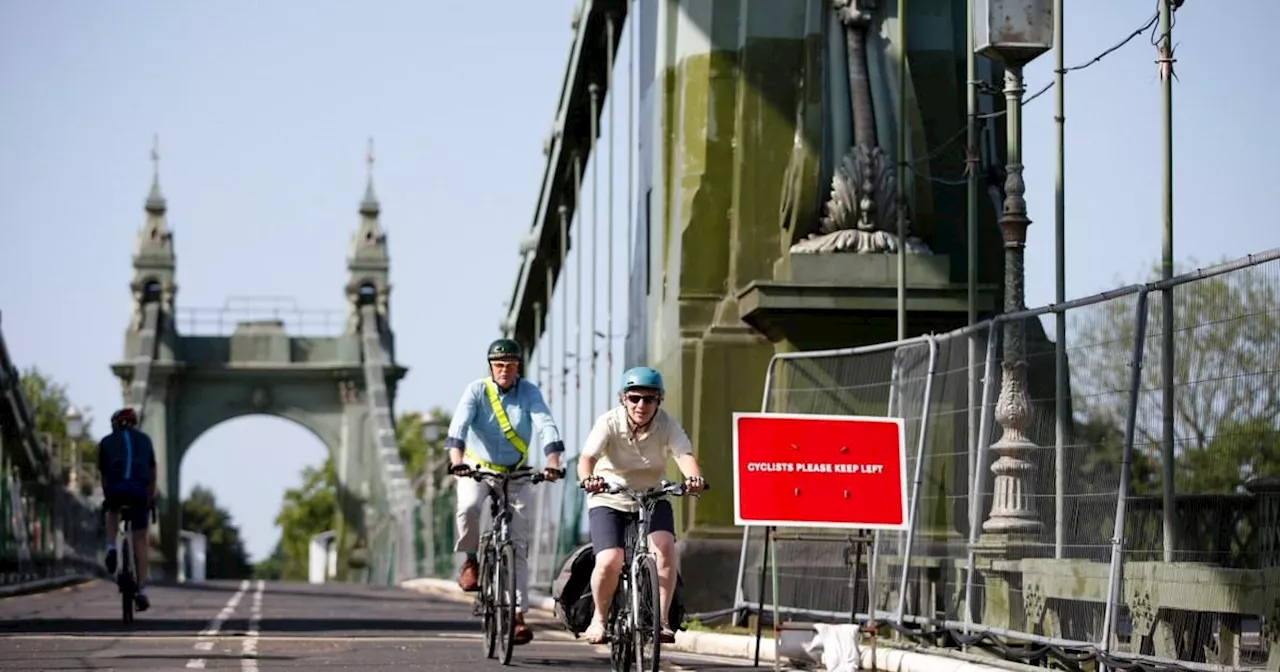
[[1019, 530], [223, 321], [392, 504]]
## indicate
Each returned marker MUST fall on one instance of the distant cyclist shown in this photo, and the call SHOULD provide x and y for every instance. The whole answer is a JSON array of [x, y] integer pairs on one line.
[[491, 407], [127, 464], [629, 446]]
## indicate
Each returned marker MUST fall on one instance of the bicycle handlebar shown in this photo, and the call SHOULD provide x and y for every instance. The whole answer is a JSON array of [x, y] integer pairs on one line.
[[664, 488], [523, 474]]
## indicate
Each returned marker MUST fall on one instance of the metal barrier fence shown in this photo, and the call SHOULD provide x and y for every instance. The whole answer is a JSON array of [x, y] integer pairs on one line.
[[1070, 533]]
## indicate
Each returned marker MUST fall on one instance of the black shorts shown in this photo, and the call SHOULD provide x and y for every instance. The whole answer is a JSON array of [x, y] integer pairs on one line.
[[609, 526], [139, 512]]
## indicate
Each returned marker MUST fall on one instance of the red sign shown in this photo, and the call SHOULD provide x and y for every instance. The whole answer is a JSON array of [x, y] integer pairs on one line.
[[794, 470]]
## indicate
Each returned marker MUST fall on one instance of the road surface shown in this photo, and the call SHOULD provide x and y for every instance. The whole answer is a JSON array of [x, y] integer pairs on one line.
[[253, 625]]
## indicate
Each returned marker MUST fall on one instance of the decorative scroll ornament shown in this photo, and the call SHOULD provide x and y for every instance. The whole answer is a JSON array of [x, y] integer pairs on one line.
[[862, 210]]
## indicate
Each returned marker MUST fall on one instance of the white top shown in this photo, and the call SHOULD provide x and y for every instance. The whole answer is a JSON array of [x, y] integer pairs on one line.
[[636, 461]]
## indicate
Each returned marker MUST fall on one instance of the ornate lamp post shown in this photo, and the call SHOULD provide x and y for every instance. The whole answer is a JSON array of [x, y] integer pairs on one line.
[[1013, 33], [75, 431]]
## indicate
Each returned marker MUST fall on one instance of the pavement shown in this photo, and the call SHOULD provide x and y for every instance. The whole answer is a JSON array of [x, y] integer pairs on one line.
[[253, 625]]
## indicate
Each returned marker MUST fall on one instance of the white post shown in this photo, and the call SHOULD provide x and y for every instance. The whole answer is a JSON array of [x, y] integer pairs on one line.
[[192, 546], [319, 561]]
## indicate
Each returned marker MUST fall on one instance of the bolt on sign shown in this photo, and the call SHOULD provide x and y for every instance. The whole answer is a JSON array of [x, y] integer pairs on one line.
[[801, 470]]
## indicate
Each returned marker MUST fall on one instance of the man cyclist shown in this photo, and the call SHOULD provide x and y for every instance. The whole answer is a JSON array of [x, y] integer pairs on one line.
[[629, 446], [497, 418], [127, 465]]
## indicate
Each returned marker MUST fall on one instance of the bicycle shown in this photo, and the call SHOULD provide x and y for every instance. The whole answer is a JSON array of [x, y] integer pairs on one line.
[[633, 620], [126, 580], [496, 600]]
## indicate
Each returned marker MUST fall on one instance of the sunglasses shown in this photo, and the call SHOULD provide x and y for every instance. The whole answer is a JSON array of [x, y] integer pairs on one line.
[[637, 398], [503, 365]]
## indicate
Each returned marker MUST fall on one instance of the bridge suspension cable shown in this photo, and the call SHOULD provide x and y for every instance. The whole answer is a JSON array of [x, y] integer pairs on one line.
[[392, 535], [143, 357]]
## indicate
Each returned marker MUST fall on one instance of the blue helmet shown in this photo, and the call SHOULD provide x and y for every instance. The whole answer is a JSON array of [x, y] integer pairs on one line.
[[642, 376]]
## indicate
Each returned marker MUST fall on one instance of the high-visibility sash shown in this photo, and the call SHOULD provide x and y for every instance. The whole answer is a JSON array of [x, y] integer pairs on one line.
[[491, 391]]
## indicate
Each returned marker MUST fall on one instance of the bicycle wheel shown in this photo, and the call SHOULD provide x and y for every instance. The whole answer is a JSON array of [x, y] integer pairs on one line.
[[646, 618], [126, 581], [485, 597], [505, 591], [619, 627]]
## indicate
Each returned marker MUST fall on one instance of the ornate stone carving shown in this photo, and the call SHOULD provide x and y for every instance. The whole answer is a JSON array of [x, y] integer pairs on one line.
[[1142, 611], [857, 13], [260, 399], [862, 211], [348, 392], [1270, 630], [1033, 603]]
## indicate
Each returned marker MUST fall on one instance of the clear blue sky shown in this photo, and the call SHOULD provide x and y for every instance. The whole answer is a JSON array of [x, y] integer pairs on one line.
[[263, 111]]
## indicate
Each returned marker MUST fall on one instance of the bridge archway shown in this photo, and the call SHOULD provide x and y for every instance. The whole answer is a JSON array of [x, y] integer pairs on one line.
[[249, 463]]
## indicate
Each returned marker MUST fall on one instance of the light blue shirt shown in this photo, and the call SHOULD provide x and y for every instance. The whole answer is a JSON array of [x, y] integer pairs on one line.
[[475, 426]]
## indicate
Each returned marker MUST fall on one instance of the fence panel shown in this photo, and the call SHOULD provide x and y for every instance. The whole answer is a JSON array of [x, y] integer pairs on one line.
[[1014, 511], [1188, 594]]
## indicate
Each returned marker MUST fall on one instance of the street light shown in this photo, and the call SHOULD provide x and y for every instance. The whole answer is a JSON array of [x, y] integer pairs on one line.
[[1013, 32], [75, 423], [75, 431], [431, 429]]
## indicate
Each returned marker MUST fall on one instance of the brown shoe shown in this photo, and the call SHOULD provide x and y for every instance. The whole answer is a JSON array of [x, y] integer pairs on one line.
[[524, 634], [468, 579]]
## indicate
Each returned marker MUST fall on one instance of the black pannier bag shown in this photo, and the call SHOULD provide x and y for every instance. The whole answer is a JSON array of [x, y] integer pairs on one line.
[[571, 593]]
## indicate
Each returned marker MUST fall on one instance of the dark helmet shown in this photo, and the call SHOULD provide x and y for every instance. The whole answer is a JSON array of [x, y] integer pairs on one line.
[[504, 348], [125, 417], [642, 376]]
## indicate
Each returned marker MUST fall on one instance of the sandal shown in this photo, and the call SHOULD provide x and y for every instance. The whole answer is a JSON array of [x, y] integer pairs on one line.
[[595, 632], [667, 636]]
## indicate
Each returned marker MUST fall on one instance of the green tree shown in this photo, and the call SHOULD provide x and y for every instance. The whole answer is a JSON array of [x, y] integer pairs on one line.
[[1226, 390], [225, 556], [48, 402], [307, 511]]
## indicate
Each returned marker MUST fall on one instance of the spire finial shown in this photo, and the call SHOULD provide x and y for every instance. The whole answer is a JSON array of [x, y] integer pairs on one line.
[[155, 200], [369, 205]]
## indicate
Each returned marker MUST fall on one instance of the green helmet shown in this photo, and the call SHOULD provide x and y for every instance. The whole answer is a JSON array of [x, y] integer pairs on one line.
[[504, 348]]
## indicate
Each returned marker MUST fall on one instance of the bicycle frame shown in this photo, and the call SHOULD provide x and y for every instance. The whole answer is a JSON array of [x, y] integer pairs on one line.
[[625, 621], [497, 561]]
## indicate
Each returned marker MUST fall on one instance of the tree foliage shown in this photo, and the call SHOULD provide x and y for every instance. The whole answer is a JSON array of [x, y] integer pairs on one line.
[[307, 511], [225, 556], [1227, 390]]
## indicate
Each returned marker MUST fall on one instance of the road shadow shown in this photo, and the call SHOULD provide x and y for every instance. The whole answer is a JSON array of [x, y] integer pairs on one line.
[[328, 590], [185, 627]]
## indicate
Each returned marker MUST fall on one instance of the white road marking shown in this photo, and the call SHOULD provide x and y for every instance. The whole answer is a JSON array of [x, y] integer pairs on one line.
[[211, 631], [249, 662]]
